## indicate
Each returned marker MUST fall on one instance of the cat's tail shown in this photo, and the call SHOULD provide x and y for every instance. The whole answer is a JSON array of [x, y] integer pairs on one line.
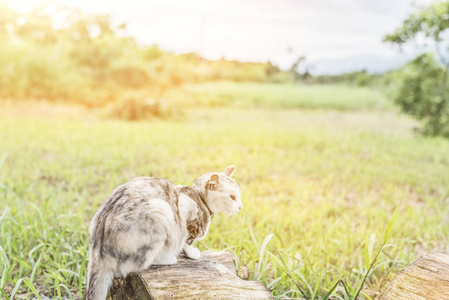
[[99, 281]]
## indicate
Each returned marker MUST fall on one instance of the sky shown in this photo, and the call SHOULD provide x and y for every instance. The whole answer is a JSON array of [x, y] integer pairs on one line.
[[334, 36]]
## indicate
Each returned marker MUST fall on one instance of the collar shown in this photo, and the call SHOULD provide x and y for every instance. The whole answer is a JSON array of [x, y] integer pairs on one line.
[[204, 202]]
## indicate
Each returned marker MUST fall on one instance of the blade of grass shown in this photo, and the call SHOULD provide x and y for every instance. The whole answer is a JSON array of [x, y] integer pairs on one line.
[[32, 288], [5, 212], [317, 285], [16, 287], [36, 265], [57, 285], [80, 279], [2, 292], [366, 295], [67, 290], [5, 263], [384, 241], [304, 280], [261, 254], [288, 273], [335, 286], [390, 226]]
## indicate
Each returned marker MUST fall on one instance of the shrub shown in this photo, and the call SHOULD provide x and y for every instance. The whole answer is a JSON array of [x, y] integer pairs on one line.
[[137, 107], [424, 94]]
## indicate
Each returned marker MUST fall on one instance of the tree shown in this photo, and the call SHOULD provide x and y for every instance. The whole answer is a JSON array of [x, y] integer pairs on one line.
[[294, 73], [424, 91], [423, 96]]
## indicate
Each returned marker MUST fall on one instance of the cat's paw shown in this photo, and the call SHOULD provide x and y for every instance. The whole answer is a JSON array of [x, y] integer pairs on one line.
[[172, 261], [192, 252]]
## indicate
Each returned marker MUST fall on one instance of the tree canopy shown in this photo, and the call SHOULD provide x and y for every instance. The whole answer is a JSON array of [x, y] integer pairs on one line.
[[432, 21], [424, 81]]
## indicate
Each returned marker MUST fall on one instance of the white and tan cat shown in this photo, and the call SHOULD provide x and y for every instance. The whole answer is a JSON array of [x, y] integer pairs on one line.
[[149, 221]]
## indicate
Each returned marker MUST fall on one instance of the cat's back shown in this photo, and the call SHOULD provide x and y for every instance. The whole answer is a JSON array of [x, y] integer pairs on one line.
[[136, 201], [140, 192], [152, 188]]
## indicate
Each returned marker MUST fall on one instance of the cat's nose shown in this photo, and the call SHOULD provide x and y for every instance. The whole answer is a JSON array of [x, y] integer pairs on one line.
[[240, 207]]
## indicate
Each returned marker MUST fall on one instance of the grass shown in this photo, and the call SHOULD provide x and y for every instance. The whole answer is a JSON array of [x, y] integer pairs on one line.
[[319, 190], [271, 95]]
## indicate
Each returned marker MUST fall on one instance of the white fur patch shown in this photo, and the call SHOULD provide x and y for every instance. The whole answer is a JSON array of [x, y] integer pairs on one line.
[[186, 206]]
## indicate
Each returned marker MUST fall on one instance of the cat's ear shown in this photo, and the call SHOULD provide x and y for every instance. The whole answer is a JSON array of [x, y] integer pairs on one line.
[[229, 171], [213, 182]]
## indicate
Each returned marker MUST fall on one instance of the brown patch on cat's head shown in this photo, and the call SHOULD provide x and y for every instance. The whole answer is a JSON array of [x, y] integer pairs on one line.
[[214, 179], [214, 182]]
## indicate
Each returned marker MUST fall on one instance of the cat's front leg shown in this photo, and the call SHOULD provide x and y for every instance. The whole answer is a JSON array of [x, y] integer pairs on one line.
[[192, 252]]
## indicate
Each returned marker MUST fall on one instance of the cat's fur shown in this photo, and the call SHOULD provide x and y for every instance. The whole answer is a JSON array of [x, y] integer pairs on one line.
[[150, 221]]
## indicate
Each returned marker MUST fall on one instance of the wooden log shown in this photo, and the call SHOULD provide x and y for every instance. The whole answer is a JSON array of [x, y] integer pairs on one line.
[[213, 276], [425, 279]]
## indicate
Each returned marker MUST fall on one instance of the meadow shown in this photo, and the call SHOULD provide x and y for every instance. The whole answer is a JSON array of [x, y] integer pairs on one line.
[[278, 95], [321, 178]]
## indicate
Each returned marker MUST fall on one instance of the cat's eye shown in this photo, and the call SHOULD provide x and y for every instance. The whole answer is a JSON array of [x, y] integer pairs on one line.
[[232, 197]]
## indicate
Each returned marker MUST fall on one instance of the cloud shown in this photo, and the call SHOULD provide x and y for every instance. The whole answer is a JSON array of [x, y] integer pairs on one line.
[[261, 30]]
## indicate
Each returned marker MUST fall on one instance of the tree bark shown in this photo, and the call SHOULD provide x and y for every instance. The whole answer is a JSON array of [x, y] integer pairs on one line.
[[213, 276], [425, 279]]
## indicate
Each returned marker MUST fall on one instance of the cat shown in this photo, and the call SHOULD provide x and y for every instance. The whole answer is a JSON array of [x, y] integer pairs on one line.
[[149, 221]]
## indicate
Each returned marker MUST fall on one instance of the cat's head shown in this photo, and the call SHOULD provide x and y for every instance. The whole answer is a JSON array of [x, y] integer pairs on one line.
[[221, 192]]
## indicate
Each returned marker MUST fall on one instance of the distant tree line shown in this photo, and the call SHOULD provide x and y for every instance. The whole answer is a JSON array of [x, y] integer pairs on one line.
[[59, 53], [420, 87]]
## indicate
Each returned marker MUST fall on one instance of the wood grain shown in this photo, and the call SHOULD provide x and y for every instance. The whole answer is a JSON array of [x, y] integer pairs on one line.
[[425, 279], [213, 276]]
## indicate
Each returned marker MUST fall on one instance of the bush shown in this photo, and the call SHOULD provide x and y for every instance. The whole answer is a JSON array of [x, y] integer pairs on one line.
[[424, 94], [137, 107]]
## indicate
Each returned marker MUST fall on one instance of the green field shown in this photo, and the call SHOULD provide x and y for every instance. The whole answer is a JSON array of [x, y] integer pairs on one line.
[[286, 95], [325, 181]]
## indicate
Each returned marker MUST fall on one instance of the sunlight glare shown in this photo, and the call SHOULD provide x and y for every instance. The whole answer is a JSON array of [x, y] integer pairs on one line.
[[23, 6]]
